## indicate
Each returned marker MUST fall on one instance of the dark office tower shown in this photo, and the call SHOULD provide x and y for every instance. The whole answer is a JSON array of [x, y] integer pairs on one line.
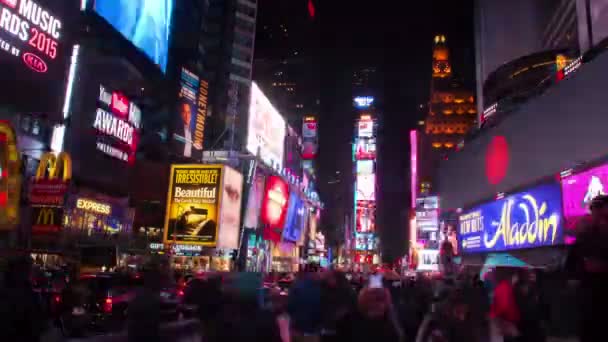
[[225, 56], [286, 62]]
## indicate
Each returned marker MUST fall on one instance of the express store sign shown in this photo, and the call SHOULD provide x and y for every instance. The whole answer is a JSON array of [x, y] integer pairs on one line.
[[117, 123], [31, 33]]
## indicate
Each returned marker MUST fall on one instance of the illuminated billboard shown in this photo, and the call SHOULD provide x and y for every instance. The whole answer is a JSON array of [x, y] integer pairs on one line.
[[145, 23], [365, 242], [34, 51], [193, 204], [365, 149], [189, 130], [365, 128], [523, 220], [117, 124], [578, 190], [366, 188], [309, 127], [428, 260], [363, 101], [230, 209], [265, 130], [365, 167], [275, 204], [366, 217]]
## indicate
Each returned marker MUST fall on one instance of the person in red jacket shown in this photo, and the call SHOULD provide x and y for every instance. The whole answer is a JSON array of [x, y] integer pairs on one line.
[[504, 310]]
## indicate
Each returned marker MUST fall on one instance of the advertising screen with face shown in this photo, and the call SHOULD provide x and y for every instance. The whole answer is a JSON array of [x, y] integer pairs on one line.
[[265, 130], [145, 23], [254, 202], [35, 47], [192, 204], [366, 187], [527, 219], [230, 209], [187, 109], [366, 217], [274, 207], [578, 190]]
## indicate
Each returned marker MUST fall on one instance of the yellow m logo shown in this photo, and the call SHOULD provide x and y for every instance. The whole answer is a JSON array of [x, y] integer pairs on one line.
[[46, 217], [52, 167]]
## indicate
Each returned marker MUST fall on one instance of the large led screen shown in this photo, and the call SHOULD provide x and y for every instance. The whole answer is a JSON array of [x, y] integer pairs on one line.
[[365, 242], [146, 23], [35, 46], [265, 130], [274, 208], [295, 219], [366, 217], [524, 220], [365, 167], [365, 149], [366, 188], [578, 190], [366, 128]]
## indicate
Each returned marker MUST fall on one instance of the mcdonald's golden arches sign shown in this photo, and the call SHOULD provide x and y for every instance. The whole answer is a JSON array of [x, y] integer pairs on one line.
[[47, 192]]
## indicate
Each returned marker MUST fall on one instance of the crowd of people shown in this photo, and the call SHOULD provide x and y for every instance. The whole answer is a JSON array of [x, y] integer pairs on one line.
[[508, 304]]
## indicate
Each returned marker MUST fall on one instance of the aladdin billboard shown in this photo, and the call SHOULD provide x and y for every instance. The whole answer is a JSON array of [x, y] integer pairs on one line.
[[526, 219], [193, 203], [266, 129]]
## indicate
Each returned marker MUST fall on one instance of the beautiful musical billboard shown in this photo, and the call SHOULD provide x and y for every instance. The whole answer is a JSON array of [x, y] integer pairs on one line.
[[193, 202], [145, 23], [526, 219], [266, 129]]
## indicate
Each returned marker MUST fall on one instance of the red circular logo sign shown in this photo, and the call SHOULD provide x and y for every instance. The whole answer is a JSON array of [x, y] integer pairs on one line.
[[34, 62], [497, 160]]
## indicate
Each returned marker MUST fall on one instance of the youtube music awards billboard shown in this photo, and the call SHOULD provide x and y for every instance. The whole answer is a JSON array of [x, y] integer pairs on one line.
[[34, 52]]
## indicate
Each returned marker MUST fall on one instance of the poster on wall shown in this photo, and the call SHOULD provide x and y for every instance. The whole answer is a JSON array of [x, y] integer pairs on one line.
[[145, 23], [578, 191], [274, 208], [266, 129], [527, 219], [192, 204], [230, 210]]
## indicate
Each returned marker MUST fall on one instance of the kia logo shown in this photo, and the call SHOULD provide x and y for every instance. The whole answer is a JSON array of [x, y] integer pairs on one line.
[[34, 62]]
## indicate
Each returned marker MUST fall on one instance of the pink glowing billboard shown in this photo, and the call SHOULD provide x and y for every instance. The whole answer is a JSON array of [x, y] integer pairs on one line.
[[578, 190]]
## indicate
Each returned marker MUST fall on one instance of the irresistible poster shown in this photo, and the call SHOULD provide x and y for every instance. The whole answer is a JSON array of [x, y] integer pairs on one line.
[[526, 219], [193, 202], [230, 212]]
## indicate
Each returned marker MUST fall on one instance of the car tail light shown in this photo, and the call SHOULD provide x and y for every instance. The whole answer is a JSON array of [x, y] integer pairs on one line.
[[107, 305], [57, 299], [180, 293]]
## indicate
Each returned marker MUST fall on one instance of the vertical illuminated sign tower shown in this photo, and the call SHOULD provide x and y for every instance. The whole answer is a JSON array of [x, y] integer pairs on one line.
[[364, 159]]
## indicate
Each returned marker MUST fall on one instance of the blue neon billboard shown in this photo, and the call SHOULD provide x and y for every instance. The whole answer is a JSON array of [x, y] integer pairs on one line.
[[527, 219]]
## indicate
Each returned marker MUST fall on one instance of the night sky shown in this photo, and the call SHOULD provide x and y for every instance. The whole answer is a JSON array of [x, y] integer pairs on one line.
[[396, 37]]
